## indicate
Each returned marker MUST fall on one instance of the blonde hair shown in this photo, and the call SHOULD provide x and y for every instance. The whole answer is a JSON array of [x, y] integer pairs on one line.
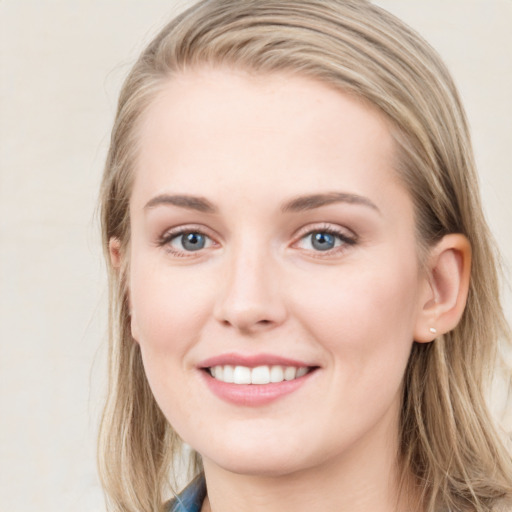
[[448, 440]]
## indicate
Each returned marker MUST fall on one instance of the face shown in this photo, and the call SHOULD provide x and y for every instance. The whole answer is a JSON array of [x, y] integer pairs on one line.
[[273, 270]]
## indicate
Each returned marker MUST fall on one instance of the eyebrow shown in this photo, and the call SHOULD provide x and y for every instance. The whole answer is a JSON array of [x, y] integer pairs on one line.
[[309, 202], [197, 203], [298, 204]]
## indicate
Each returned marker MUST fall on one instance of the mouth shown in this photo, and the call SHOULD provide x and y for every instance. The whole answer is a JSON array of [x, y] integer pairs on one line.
[[255, 379], [260, 375]]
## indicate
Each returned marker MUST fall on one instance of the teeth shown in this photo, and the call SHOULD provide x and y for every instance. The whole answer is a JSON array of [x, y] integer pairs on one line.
[[227, 374], [276, 374], [257, 375], [218, 372], [260, 375], [242, 375], [290, 372], [301, 372]]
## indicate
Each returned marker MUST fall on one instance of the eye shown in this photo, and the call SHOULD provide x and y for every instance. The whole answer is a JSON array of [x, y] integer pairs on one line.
[[324, 240], [190, 241], [180, 242]]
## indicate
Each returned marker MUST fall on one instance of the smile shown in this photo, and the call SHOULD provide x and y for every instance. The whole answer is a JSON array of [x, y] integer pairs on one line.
[[257, 379], [258, 375]]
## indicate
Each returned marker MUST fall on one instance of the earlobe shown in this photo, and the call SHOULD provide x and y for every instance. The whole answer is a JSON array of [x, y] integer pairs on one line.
[[114, 247], [448, 275]]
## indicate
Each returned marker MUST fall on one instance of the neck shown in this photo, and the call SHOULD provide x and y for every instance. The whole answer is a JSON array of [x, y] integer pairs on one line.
[[364, 478]]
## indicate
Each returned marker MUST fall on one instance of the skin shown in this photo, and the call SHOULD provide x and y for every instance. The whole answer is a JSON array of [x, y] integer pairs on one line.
[[250, 145]]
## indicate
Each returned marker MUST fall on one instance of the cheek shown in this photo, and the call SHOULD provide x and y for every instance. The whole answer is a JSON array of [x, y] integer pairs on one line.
[[168, 307], [355, 300], [365, 325], [169, 310], [364, 317]]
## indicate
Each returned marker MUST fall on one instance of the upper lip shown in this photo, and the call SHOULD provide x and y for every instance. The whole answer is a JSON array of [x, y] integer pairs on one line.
[[251, 361]]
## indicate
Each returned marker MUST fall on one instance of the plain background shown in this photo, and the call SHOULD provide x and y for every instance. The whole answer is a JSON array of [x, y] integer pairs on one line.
[[61, 66]]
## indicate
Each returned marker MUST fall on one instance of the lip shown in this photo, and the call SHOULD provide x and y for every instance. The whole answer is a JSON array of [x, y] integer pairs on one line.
[[253, 394], [252, 360]]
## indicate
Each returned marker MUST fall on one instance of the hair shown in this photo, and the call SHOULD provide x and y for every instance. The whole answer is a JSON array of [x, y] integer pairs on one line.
[[449, 442]]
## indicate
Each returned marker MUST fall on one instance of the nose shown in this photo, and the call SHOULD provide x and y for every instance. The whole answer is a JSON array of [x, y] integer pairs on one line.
[[250, 297]]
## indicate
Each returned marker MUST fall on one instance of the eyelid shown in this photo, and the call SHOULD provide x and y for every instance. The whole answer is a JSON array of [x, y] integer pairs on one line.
[[170, 234], [328, 227], [348, 237]]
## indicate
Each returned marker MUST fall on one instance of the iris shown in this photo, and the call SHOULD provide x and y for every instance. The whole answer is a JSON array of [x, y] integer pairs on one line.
[[322, 241], [193, 241]]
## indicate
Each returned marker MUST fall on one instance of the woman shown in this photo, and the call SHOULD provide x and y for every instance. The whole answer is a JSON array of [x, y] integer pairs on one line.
[[303, 286]]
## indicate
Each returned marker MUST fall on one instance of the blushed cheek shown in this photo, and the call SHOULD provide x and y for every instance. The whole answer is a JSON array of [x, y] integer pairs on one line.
[[362, 313], [168, 309], [153, 310], [162, 323]]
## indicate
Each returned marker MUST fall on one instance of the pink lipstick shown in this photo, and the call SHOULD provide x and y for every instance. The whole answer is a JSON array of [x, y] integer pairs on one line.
[[254, 379]]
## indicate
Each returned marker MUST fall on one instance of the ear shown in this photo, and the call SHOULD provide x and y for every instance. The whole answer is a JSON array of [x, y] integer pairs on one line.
[[116, 258], [114, 248], [446, 291]]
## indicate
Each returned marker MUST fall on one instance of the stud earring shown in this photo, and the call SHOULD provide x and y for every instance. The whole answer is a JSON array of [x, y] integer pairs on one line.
[[433, 330]]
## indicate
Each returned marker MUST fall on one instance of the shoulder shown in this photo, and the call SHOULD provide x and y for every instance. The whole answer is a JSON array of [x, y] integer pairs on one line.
[[190, 499]]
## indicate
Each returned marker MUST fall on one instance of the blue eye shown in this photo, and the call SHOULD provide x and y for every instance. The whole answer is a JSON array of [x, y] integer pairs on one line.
[[193, 241], [322, 241], [188, 241]]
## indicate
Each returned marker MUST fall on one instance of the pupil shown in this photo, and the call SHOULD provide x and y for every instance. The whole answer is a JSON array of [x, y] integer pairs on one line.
[[193, 241], [323, 241]]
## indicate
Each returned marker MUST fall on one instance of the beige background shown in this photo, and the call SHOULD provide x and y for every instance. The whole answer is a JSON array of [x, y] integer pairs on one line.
[[61, 64]]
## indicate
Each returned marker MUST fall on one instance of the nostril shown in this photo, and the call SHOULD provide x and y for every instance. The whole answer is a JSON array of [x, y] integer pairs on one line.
[[247, 313], [248, 324]]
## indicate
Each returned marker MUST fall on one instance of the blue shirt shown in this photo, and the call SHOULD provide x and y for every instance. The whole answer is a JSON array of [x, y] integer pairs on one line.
[[191, 498]]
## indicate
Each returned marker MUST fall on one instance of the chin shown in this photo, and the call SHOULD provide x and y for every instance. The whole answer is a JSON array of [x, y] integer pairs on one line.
[[258, 464], [266, 458]]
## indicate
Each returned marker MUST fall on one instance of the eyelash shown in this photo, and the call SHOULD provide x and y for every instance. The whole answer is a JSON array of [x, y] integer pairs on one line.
[[169, 236], [345, 240], [341, 235]]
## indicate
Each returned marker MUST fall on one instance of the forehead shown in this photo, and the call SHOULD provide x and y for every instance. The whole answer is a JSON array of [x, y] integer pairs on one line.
[[246, 131]]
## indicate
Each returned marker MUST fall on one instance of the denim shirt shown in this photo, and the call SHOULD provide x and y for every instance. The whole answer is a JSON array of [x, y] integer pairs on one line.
[[191, 498]]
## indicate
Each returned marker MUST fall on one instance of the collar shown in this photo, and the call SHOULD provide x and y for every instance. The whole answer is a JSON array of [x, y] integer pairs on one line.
[[191, 498]]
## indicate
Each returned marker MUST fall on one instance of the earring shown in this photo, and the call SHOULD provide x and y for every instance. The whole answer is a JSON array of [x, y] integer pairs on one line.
[[433, 330]]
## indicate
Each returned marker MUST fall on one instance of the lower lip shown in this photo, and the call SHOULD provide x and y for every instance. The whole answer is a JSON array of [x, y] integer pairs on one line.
[[253, 394]]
